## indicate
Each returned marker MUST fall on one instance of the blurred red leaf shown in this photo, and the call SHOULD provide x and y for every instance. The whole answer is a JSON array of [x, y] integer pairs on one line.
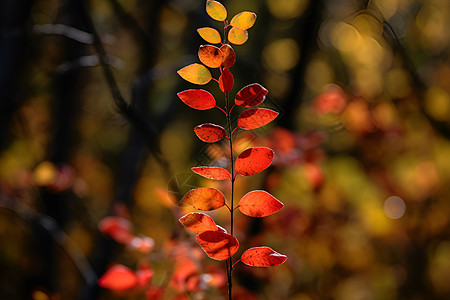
[[154, 293], [143, 244], [262, 257], [331, 100], [251, 95], [118, 277], [198, 99], [226, 81], [259, 204], [256, 117], [229, 56], [215, 173], [181, 279], [210, 133], [218, 245], [210, 56], [204, 198], [119, 229], [198, 222], [253, 160], [144, 276]]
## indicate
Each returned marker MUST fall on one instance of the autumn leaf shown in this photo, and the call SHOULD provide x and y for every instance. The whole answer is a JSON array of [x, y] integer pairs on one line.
[[118, 277], [262, 257], [229, 56], [216, 10], [253, 160], [198, 222], [218, 245], [196, 74], [210, 56], [243, 20], [210, 35], [259, 204], [237, 36], [214, 173], [204, 198], [210, 133], [226, 81], [251, 95], [119, 229], [256, 117], [198, 99]]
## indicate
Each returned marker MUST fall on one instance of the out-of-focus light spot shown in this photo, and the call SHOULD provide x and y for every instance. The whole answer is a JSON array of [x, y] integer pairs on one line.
[[281, 55], [433, 25], [45, 173], [331, 100], [385, 115], [278, 84], [368, 25], [386, 7], [437, 104], [394, 207], [345, 37], [318, 74], [287, 9], [397, 83]]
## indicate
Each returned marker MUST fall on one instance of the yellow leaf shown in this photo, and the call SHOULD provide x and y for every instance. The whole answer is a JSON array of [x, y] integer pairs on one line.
[[243, 20], [210, 35], [237, 36], [195, 73], [216, 10]]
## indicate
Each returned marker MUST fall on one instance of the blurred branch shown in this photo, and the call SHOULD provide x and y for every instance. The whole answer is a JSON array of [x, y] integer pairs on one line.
[[67, 31]]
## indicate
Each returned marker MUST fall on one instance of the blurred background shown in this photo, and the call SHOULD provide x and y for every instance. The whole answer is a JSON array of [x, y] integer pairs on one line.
[[362, 150]]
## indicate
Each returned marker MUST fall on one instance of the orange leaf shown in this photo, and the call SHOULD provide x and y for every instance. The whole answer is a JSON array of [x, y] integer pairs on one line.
[[256, 117], [210, 56], [204, 198], [237, 36], [119, 229], [229, 56], [215, 173], [210, 35], [218, 245], [243, 20], [259, 204], [198, 222], [253, 160], [198, 99], [118, 277], [262, 257], [226, 81], [251, 95], [210, 133], [196, 74], [216, 10]]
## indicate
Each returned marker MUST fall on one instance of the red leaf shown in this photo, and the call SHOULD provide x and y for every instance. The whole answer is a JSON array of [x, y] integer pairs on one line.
[[251, 95], [144, 276], [259, 204], [210, 56], [229, 56], [198, 222], [256, 117], [118, 277], [262, 257], [253, 160], [198, 99], [215, 173], [226, 81], [154, 293], [218, 245], [204, 198], [119, 229], [210, 133]]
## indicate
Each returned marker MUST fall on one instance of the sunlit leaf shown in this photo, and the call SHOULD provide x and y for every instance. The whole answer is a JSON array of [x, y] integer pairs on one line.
[[243, 20], [218, 245], [210, 133], [216, 10], [215, 173], [198, 222], [119, 229], [204, 198], [262, 257], [256, 117], [195, 73], [259, 204], [229, 56], [118, 277], [226, 81], [251, 95], [237, 36], [210, 56], [198, 99], [253, 160], [210, 35]]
